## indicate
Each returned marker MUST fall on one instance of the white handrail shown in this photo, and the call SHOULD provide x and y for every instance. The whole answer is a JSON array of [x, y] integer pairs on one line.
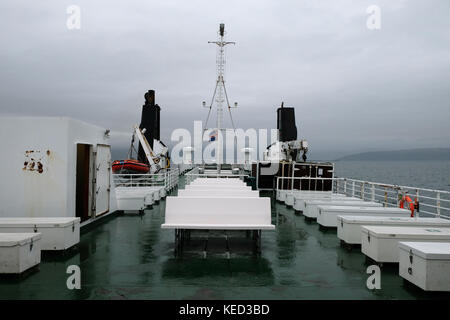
[[390, 195], [167, 179]]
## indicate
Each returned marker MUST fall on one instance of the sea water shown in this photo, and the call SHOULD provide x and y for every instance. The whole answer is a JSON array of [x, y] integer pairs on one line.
[[422, 174]]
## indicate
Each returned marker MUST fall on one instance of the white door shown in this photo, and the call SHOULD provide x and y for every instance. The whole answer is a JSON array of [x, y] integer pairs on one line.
[[102, 179]]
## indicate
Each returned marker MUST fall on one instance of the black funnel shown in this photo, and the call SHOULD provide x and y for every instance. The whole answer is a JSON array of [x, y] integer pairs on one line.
[[286, 123], [150, 120]]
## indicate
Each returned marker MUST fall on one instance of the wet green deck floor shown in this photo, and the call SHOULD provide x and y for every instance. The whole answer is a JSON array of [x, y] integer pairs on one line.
[[131, 257]]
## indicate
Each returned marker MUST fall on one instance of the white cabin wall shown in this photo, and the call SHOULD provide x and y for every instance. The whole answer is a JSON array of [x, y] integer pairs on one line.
[[51, 193], [24, 191]]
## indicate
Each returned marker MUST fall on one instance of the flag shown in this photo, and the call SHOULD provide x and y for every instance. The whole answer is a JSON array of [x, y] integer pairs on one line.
[[213, 135]]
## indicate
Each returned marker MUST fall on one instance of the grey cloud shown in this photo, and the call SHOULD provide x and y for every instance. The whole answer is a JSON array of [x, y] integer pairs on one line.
[[353, 89]]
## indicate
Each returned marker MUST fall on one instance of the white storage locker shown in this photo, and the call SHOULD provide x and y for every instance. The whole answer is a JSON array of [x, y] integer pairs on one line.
[[149, 200], [57, 233], [292, 194], [156, 195], [380, 243], [281, 195], [289, 201], [426, 264], [19, 252], [328, 214], [312, 206], [149, 194], [299, 200], [162, 193], [349, 227], [130, 203]]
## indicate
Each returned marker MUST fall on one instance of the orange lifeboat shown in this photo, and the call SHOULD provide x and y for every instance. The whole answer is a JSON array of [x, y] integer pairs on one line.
[[129, 166]]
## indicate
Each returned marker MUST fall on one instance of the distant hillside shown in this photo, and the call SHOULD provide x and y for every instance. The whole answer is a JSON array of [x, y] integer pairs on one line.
[[410, 154]]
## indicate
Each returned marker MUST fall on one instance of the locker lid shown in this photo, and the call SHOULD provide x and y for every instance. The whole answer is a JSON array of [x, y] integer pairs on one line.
[[427, 250], [364, 210], [397, 220], [38, 222], [408, 232], [18, 239]]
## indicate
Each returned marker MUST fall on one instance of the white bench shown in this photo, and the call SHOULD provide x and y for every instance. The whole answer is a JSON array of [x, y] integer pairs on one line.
[[210, 187], [380, 243], [218, 213], [426, 264], [218, 193], [19, 252], [218, 181], [349, 227], [58, 233], [299, 200], [328, 214], [312, 206]]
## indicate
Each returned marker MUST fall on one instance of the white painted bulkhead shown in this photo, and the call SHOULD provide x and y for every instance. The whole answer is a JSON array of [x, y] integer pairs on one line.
[[39, 178]]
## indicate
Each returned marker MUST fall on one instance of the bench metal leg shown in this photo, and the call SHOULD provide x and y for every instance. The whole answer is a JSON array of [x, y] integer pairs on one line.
[[205, 248], [227, 246]]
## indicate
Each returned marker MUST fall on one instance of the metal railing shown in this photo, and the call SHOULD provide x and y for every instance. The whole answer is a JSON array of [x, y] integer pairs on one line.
[[172, 177], [167, 179], [431, 202]]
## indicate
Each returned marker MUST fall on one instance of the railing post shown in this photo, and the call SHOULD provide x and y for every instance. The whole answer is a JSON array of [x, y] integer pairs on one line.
[[417, 197], [345, 186], [373, 192], [438, 204], [353, 188], [385, 197], [363, 187]]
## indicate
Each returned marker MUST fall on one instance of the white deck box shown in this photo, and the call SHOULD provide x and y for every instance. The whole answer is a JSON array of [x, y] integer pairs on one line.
[[312, 206], [381, 243], [291, 196], [19, 252], [57, 233], [282, 194], [156, 196], [328, 214], [149, 194], [130, 203], [299, 200], [426, 264], [149, 200], [349, 227]]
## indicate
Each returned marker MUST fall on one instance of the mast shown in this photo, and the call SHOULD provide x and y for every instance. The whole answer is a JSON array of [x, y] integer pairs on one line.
[[220, 91]]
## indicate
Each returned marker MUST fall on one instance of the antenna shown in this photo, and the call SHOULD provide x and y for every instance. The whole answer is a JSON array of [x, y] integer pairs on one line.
[[220, 91]]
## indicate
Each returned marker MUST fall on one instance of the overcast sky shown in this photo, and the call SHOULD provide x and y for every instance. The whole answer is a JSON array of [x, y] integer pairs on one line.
[[353, 89]]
